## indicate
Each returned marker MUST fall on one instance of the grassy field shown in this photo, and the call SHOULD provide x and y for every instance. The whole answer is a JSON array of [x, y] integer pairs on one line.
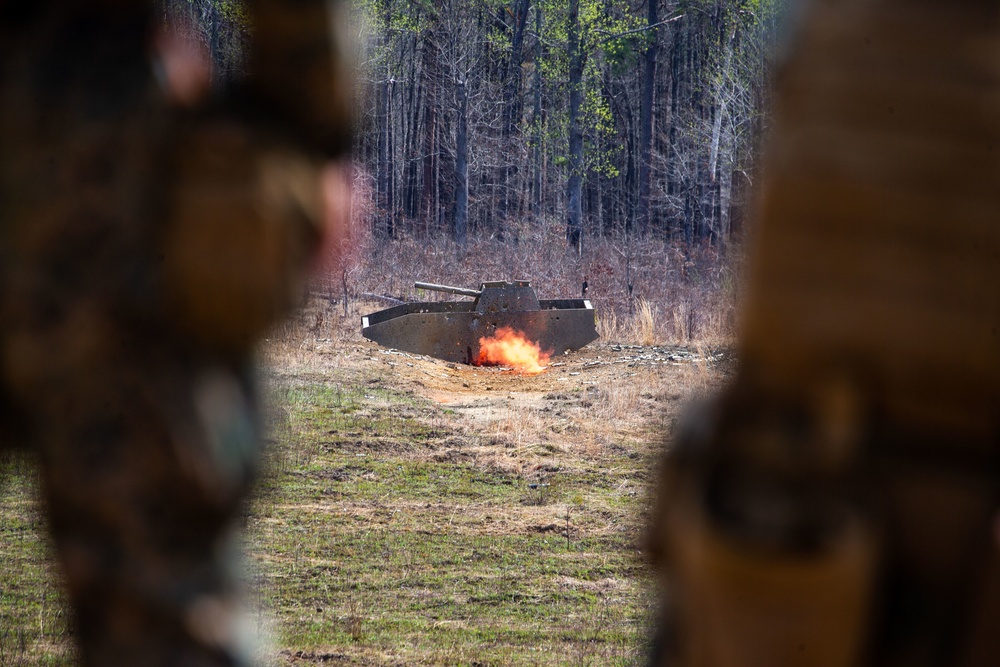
[[415, 512]]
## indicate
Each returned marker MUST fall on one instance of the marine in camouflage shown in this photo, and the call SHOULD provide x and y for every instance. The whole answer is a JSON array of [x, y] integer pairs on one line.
[[837, 505], [146, 242]]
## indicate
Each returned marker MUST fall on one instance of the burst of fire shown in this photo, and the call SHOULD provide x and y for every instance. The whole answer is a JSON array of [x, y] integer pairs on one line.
[[508, 347]]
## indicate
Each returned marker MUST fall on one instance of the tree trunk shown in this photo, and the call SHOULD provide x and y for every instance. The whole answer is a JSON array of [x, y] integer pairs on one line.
[[460, 219], [646, 121], [390, 164], [511, 113], [673, 175], [720, 113], [384, 174], [574, 213], [386, 168], [411, 143], [536, 120], [512, 77], [725, 201], [428, 208], [720, 101]]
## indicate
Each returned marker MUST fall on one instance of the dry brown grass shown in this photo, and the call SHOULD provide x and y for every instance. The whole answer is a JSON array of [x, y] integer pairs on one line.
[[677, 296], [608, 327], [645, 323]]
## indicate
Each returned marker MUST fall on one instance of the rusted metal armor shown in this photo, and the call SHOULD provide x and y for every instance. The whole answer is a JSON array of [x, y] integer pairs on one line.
[[454, 330], [144, 247]]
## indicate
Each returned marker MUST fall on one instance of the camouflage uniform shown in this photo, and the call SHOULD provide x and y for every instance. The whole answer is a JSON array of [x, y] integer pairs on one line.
[[838, 504], [143, 249]]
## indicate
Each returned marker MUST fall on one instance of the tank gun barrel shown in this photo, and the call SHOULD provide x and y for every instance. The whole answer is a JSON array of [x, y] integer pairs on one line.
[[445, 288]]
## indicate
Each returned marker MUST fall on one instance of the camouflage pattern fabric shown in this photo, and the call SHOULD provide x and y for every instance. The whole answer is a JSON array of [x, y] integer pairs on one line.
[[837, 505], [143, 250]]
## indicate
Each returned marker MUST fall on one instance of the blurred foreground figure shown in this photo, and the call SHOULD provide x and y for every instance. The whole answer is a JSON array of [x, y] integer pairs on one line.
[[837, 504], [150, 231]]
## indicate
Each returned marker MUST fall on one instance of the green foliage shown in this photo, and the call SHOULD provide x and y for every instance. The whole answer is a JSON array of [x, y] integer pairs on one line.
[[598, 117], [606, 50], [234, 11], [426, 46]]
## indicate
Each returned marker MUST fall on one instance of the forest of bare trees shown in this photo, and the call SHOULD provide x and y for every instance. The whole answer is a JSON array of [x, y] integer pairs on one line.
[[608, 142], [607, 117]]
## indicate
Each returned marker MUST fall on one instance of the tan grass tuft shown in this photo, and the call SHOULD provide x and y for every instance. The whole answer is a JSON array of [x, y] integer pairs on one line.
[[608, 327], [682, 322], [645, 323]]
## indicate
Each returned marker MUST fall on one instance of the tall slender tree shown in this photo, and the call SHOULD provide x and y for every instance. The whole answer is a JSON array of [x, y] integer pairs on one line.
[[574, 187], [646, 116], [641, 119]]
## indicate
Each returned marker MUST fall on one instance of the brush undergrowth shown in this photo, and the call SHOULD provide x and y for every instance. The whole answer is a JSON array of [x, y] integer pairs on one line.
[[688, 292]]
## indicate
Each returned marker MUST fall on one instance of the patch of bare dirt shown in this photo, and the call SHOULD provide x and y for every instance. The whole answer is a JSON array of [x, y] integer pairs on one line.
[[587, 404], [465, 388]]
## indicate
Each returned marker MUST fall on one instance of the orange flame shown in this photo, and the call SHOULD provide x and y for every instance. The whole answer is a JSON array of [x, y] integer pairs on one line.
[[510, 348]]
